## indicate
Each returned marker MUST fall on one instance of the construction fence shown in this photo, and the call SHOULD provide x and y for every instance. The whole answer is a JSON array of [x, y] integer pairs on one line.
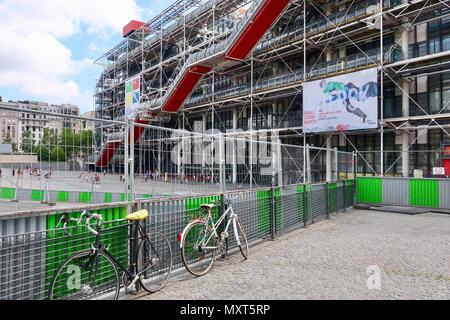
[[33, 246], [102, 164], [404, 192]]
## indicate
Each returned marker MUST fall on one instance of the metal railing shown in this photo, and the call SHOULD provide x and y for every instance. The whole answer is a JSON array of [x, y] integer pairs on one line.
[[28, 260]]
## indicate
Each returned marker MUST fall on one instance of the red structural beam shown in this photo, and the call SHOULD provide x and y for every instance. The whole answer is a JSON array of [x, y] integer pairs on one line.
[[249, 37], [185, 87], [111, 147], [256, 29]]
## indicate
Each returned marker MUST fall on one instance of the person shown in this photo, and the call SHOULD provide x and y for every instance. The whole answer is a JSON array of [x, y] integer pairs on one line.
[[14, 172], [339, 90]]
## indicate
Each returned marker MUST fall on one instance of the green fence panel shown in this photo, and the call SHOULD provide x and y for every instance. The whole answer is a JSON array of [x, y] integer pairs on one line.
[[332, 198], [349, 193], [370, 190], [264, 209], [301, 201], [424, 193], [278, 209], [107, 198], [85, 197], [61, 245], [123, 197], [7, 193], [62, 196], [37, 195], [308, 204]]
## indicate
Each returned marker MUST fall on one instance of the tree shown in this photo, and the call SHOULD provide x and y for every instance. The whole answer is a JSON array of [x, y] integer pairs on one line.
[[49, 137], [7, 139], [76, 143], [67, 140], [57, 155], [42, 152], [27, 142]]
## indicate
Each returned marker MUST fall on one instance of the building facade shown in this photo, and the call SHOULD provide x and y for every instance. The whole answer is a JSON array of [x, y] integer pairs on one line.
[[24, 119], [9, 127], [409, 42]]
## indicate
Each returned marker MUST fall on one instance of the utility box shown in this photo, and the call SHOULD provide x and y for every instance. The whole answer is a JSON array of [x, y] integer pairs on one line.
[[132, 27]]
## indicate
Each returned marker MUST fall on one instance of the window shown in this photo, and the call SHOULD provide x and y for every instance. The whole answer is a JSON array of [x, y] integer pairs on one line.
[[434, 86], [446, 42], [434, 45], [446, 92]]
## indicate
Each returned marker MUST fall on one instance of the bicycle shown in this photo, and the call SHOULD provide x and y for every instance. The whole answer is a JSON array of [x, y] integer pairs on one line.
[[200, 242], [93, 273]]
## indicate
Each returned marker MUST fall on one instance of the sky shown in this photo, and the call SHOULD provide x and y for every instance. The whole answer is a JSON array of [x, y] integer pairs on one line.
[[48, 46]]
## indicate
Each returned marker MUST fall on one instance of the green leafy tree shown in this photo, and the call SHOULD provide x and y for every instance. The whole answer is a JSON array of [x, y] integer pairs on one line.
[[7, 139], [67, 141], [58, 155], [42, 152], [49, 137], [27, 142], [76, 143]]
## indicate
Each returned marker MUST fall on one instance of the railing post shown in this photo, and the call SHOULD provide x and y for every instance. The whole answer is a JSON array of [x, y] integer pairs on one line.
[[355, 177], [130, 160], [305, 206], [308, 164], [223, 225], [222, 163], [345, 195], [327, 185], [273, 210]]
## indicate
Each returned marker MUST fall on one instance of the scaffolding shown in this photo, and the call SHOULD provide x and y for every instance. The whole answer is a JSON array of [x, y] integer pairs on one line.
[[258, 94]]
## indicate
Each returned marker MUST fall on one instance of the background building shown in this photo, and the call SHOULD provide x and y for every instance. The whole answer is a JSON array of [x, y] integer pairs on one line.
[[16, 123], [409, 42]]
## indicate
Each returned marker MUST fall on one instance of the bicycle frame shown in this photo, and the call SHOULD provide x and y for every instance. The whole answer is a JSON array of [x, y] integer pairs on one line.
[[99, 247], [233, 218]]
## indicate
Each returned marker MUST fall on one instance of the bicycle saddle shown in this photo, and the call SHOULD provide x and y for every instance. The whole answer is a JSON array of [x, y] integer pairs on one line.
[[137, 216], [207, 206]]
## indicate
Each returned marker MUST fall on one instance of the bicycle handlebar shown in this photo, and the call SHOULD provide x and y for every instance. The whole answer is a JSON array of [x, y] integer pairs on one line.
[[94, 217], [89, 216]]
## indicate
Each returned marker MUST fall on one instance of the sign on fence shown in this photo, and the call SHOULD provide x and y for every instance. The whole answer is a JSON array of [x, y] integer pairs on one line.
[[342, 103], [437, 171], [132, 96]]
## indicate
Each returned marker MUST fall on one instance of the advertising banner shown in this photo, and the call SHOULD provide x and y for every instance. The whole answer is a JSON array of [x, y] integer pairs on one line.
[[343, 103], [132, 96]]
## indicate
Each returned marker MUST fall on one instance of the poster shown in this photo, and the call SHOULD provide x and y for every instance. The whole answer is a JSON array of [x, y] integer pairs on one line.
[[132, 96], [342, 103]]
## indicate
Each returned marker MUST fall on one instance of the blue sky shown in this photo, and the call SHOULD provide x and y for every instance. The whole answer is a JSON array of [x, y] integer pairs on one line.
[[52, 44]]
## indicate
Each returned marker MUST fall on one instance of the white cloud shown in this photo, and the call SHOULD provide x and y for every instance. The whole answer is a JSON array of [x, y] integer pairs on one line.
[[32, 56]]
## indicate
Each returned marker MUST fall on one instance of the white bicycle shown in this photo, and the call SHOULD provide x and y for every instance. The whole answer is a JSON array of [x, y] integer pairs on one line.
[[201, 243]]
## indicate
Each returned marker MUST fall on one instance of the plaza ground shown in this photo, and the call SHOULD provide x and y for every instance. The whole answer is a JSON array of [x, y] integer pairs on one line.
[[330, 260]]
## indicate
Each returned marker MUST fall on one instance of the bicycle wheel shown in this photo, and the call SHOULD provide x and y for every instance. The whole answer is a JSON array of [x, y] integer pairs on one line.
[[85, 276], [242, 239], [154, 262], [198, 249]]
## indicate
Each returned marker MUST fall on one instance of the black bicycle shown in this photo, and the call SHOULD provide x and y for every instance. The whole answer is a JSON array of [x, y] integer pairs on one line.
[[93, 274]]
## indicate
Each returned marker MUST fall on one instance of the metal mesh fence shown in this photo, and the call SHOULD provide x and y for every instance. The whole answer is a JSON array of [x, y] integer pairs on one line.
[[28, 261]]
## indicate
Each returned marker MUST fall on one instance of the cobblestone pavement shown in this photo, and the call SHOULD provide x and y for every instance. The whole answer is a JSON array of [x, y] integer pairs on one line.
[[329, 260]]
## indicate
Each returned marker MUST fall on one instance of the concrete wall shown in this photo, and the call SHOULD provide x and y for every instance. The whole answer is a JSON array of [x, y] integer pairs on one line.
[[18, 159]]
